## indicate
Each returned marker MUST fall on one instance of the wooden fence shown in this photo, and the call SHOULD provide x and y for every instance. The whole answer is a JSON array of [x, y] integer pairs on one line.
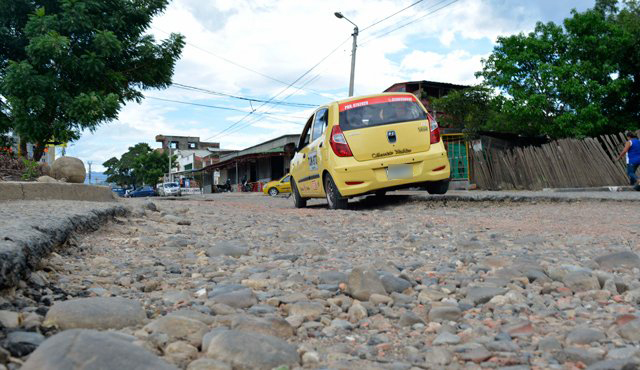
[[565, 163]]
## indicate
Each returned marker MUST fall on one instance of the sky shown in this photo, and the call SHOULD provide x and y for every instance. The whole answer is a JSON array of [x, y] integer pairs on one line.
[[297, 51]]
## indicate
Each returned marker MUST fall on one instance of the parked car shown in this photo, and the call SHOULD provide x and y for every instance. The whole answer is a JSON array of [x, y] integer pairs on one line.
[[276, 187], [169, 189], [119, 191], [145, 191], [368, 145]]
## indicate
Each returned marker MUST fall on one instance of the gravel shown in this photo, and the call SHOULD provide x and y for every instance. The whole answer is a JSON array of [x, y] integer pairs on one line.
[[409, 281]]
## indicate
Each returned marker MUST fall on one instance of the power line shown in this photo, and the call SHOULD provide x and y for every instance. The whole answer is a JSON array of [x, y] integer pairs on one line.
[[229, 130], [221, 107], [217, 93], [283, 90], [392, 15], [234, 63], [241, 127], [410, 22]]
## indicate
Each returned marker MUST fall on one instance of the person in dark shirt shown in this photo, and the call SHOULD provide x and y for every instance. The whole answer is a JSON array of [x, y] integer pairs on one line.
[[632, 152]]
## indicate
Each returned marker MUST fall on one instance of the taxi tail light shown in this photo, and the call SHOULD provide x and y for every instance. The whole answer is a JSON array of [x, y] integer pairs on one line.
[[435, 132], [339, 143]]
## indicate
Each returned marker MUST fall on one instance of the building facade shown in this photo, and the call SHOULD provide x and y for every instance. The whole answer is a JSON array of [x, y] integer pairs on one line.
[[185, 143], [258, 164]]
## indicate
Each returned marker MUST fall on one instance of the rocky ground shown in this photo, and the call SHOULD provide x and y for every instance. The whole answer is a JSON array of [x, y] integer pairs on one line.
[[249, 282]]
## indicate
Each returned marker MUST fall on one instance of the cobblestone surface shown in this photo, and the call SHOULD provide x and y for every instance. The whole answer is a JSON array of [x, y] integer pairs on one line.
[[409, 281]]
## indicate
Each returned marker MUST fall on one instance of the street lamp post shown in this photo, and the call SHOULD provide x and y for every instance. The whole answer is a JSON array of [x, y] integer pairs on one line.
[[353, 50]]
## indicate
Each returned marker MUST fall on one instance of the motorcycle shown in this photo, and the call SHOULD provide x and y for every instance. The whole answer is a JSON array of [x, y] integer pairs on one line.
[[224, 187], [247, 187]]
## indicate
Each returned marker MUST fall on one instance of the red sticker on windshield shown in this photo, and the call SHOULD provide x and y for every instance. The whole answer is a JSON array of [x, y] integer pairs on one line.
[[377, 100]]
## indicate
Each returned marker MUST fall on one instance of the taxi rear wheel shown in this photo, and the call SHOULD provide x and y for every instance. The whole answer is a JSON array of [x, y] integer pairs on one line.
[[437, 187], [334, 199], [298, 201], [273, 192]]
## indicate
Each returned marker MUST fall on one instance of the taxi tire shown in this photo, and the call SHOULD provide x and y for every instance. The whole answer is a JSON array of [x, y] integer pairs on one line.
[[380, 193], [334, 199], [437, 187], [298, 201], [273, 192]]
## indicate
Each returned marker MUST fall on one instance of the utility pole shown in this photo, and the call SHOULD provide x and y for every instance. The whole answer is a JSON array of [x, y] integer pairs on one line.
[[90, 163], [353, 51], [169, 173]]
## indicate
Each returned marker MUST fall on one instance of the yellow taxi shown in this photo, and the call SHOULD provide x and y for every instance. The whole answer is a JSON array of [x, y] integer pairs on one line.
[[368, 145], [276, 187]]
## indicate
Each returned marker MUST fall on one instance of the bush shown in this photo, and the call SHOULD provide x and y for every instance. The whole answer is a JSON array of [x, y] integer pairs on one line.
[[31, 170], [15, 169]]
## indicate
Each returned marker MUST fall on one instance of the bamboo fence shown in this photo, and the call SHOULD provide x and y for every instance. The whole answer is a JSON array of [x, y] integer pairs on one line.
[[566, 163]]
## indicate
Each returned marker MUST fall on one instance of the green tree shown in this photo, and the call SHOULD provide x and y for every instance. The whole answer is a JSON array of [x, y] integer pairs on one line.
[[139, 165], [579, 79], [70, 65], [473, 109]]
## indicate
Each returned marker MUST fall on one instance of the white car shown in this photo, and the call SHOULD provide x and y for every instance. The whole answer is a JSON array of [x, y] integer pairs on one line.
[[169, 188]]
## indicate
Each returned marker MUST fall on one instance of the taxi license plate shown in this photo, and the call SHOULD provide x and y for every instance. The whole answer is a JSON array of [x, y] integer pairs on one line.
[[399, 171]]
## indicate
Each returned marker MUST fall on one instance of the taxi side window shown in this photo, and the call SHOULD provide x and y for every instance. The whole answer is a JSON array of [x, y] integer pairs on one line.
[[320, 123], [304, 137], [286, 179]]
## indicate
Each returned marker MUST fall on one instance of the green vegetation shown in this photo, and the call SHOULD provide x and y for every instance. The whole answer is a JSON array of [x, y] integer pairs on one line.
[[70, 65], [31, 170], [575, 80], [139, 165]]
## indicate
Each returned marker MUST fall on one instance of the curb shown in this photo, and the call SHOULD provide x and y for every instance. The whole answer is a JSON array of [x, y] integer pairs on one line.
[[22, 247], [54, 191], [551, 197], [505, 198], [595, 189]]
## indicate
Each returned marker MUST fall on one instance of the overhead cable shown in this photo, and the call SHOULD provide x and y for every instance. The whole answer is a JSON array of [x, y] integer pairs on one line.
[[217, 93], [235, 63], [410, 22], [223, 108]]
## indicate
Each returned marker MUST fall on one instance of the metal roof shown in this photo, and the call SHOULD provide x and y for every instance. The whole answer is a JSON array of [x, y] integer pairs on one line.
[[270, 146], [432, 83]]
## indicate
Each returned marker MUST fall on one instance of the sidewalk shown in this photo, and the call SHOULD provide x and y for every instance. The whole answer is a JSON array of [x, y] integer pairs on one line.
[[526, 195]]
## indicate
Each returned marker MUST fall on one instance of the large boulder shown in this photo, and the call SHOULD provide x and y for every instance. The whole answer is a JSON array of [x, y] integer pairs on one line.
[[69, 168], [179, 328], [100, 313], [363, 282], [245, 350], [618, 260], [45, 169], [90, 349]]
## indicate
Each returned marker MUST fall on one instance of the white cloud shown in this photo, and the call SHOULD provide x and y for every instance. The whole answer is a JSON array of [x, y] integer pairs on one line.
[[457, 67]]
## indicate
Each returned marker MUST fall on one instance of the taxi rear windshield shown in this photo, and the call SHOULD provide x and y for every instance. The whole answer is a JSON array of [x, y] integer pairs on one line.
[[381, 114]]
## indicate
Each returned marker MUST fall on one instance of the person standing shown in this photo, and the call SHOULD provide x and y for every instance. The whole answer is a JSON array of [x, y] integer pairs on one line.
[[632, 152]]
